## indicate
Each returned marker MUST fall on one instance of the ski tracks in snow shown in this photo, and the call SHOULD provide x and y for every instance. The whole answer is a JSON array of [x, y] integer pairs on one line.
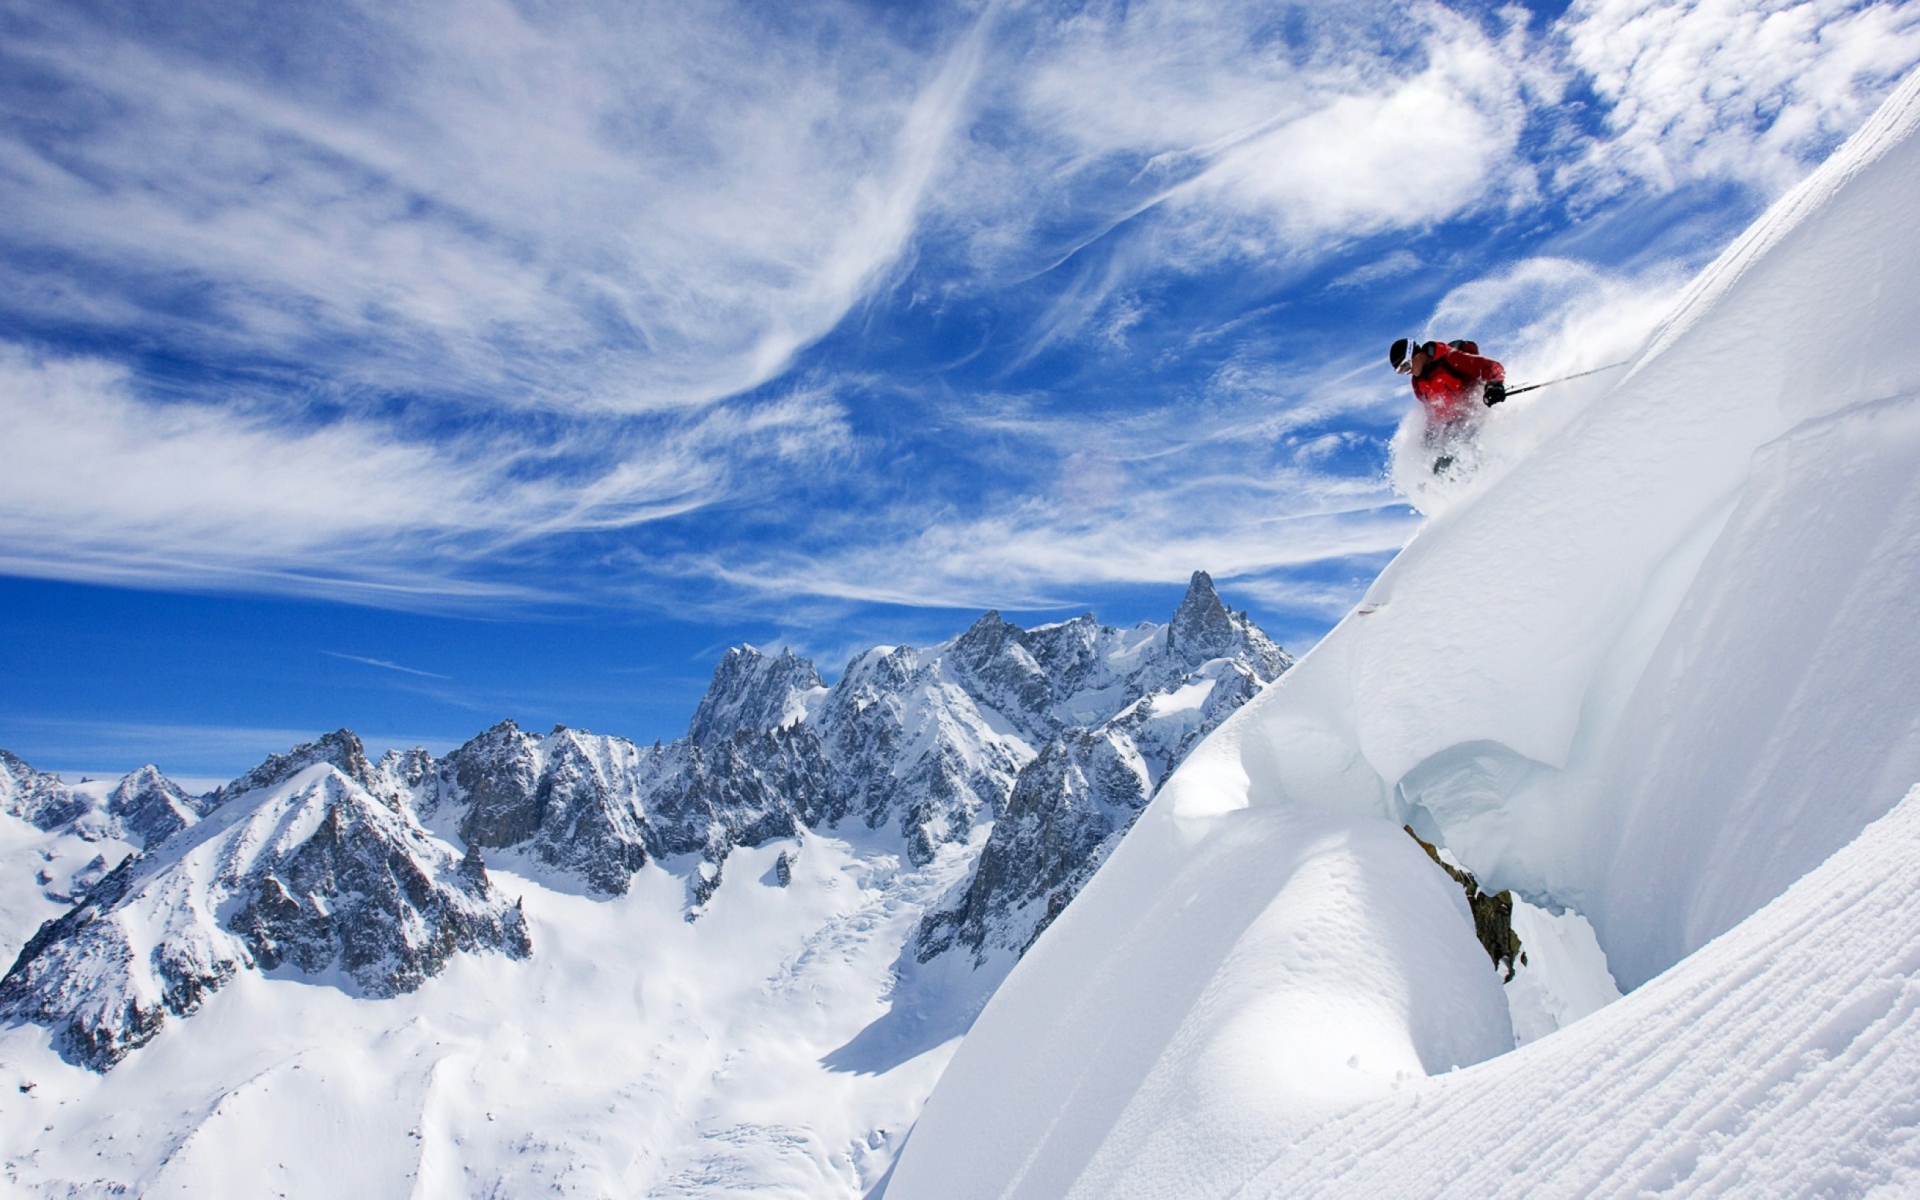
[[1730, 1074]]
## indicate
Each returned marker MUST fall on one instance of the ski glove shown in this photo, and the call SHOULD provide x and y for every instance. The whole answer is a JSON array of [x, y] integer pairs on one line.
[[1496, 392]]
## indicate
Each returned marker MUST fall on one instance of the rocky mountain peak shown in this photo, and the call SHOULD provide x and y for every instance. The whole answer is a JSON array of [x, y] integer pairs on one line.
[[341, 748], [1068, 651], [151, 807], [37, 797], [1124, 720], [993, 659], [498, 774], [313, 872], [1202, 628], [753, 691]]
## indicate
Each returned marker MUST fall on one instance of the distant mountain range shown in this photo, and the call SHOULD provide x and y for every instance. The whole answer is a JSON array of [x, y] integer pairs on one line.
[[371, 876]]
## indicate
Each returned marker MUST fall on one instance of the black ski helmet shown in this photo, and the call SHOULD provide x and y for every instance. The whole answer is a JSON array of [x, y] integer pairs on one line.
[[1397, 353]]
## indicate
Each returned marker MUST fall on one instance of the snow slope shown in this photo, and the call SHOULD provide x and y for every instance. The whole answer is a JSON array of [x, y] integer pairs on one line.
[[1657, 672], [635, 1054], [1766, 1064]]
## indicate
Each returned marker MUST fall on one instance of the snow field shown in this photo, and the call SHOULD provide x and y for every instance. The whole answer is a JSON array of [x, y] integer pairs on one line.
[[634, 1054]]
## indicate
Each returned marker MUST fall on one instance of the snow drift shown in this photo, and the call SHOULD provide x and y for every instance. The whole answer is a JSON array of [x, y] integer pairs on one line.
[[1657, 672]]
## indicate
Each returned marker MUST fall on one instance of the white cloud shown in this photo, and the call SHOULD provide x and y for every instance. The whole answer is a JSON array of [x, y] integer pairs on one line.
[[1257, 138], [1749, 90], [1252, 476], [1037, 557], [1404, 152], [102, 485], [1547, 317], [653, 205], [1400, 262]]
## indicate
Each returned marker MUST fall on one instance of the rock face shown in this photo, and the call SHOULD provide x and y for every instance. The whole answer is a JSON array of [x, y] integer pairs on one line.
[[148, 808], [36, 797], [1068, 805], [1123, 715], [566, 800], [145, 808], [751, 690], [319, 861], [1492, 912], [308, 869]]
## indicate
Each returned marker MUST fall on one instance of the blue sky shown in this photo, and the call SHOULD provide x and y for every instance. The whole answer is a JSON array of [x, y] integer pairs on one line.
[[405, 367]]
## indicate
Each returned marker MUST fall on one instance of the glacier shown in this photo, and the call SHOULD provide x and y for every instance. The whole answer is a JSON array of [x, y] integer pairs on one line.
[[1659, 670]]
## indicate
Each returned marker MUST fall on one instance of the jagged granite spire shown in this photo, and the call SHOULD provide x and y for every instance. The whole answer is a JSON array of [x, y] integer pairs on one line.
[[1202, 628]]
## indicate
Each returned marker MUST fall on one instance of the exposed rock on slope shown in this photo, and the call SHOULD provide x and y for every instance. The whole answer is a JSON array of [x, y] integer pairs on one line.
[[145, 808], [315, 871], [1492, 912], [1072, 803], [36, 797]]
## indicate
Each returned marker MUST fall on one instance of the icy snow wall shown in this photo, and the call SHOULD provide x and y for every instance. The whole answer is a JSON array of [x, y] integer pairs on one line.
[[1661, 670]]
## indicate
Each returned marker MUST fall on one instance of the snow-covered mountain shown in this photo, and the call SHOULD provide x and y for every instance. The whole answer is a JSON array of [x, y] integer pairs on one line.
[[742, 956], [1660, 673], [299, 866]]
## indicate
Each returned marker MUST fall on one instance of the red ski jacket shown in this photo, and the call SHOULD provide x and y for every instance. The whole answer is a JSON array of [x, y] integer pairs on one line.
[[1452, 383]]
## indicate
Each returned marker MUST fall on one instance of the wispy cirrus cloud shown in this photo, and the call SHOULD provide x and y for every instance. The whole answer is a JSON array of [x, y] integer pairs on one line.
[[1243, 130], [102, 485], [609, 208], [383, 664]]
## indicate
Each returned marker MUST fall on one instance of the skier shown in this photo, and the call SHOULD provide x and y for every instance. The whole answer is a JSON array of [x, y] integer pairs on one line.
[[1448, 377], [1454, 384]]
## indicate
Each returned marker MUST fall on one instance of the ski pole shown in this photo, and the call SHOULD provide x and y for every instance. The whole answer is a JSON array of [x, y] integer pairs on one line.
[[1577, 375]]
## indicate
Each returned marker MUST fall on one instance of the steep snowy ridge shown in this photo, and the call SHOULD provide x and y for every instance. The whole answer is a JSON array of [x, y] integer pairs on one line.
[[1656, 673]]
